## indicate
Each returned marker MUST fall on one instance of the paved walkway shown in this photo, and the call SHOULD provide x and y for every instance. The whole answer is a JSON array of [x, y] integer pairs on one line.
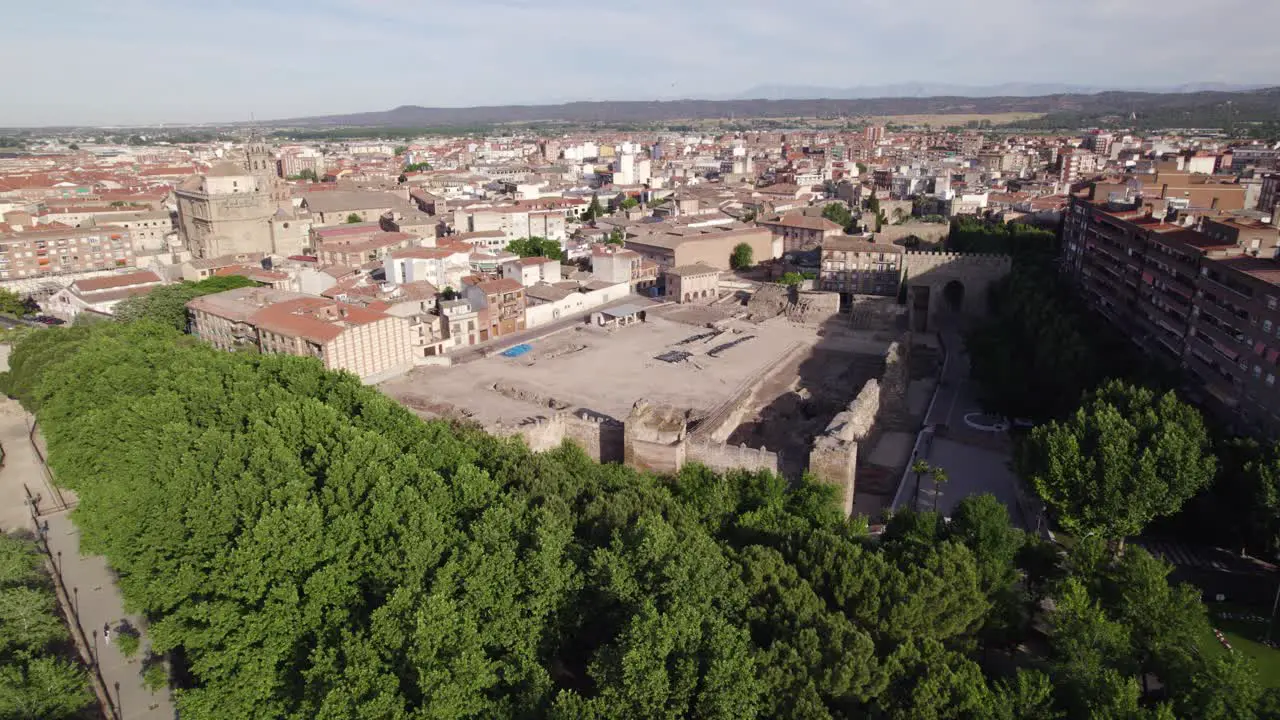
[[89, 583], [976, 461]]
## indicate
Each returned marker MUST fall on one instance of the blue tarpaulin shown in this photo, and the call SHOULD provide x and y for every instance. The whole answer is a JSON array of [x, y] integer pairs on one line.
[[517, 351]]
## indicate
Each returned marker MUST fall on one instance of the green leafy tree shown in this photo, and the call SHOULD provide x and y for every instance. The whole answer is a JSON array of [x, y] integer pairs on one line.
[[36, 678], [594, 209], [616, 237], [920, 467], [940, 479], [536, 247], [167, 304], [334, 555], [981, 522], [73, 147], [354, 218], [629, 203], [742, 258], [1124, 458], [44, 688], [306, 174], [417, 167], [14, 305], [838, 213], [1027, 696], [1227, 689], [791, 279]]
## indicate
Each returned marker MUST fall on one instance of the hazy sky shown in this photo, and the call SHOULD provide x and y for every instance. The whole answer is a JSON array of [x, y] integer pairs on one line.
[[149, 61]]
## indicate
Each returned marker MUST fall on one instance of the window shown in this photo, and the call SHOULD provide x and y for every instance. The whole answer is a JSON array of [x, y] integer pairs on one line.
[[1271, 380], [1271, 302], [1257, 371]]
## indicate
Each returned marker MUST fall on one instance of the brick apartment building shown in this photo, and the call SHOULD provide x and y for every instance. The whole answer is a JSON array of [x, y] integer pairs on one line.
[[368, 343], [1204, 300]]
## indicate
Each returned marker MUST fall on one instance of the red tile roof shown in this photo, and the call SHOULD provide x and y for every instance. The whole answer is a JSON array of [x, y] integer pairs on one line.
[[110, 282]]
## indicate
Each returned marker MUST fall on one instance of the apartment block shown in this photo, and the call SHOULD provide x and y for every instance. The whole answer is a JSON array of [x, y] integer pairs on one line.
[[1204, 300], [854, 266], [38, 253], [370, 344], [616, 264], [801, 232], [501, 304]]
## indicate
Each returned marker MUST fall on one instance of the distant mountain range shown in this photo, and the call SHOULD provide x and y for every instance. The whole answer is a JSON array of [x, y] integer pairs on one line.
[[925, 90], [1184, 106]]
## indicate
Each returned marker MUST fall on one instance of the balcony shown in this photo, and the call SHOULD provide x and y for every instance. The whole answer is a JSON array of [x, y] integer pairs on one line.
[[1161, 317], [1220, 381], [1223, 336], [1223, 316], [1231, 292]]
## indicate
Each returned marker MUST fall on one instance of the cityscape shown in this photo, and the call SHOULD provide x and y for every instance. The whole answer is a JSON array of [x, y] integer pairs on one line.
[[833, 398]]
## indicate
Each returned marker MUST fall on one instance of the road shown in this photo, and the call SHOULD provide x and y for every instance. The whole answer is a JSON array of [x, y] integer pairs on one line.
[[91, 591]]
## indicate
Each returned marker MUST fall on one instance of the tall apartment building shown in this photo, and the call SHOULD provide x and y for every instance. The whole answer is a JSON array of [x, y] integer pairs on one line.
[[1076, 165], [1203, 300], [1269, 194], [36, 253], [854, 266], [368, 343]]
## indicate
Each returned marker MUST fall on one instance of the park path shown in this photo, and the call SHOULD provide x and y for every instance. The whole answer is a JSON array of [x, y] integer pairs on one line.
[[86, 586]]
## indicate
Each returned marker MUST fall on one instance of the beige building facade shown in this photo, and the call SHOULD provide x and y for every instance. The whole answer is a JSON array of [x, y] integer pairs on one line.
[[370, 344], [697, 283]]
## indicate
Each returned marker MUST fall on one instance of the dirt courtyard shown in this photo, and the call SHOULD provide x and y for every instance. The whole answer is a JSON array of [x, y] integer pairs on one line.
[[605, 371]]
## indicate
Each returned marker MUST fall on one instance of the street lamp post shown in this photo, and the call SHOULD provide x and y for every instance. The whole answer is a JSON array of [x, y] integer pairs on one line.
[[59, 564], [119, 709], [76, 592], [95, 647]]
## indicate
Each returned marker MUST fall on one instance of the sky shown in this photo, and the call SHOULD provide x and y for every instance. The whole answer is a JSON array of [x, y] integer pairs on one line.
[[178, 61]]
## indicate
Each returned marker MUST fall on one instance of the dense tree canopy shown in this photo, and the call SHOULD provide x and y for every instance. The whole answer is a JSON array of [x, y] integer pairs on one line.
[[168, 304], [315, 550], [1125, 457], [37, 679], [1026, 244], [839, 213], [536, 247], [742, 257], [15, 305]]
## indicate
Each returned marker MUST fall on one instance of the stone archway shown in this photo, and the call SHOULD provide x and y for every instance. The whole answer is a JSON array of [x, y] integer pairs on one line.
[[953, 296], [949, 287]]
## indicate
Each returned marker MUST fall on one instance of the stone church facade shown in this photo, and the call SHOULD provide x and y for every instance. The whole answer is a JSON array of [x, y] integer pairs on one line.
[[240, 206]]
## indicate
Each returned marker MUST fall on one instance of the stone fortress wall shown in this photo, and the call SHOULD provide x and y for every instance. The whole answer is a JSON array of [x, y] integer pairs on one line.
[[834, 457], [657, 437]]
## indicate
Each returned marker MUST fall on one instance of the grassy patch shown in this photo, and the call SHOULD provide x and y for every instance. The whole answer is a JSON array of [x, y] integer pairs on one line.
[[1245, 636]]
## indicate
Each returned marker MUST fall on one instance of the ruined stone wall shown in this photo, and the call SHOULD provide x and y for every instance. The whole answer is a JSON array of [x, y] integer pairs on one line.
[[722, 457], [897, 376], [833, 458], [835, 462], [855, 423], [814, 308], [601, 438]]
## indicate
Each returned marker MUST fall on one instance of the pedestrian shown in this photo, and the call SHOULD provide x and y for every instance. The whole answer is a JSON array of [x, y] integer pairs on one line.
[[106, 632]]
